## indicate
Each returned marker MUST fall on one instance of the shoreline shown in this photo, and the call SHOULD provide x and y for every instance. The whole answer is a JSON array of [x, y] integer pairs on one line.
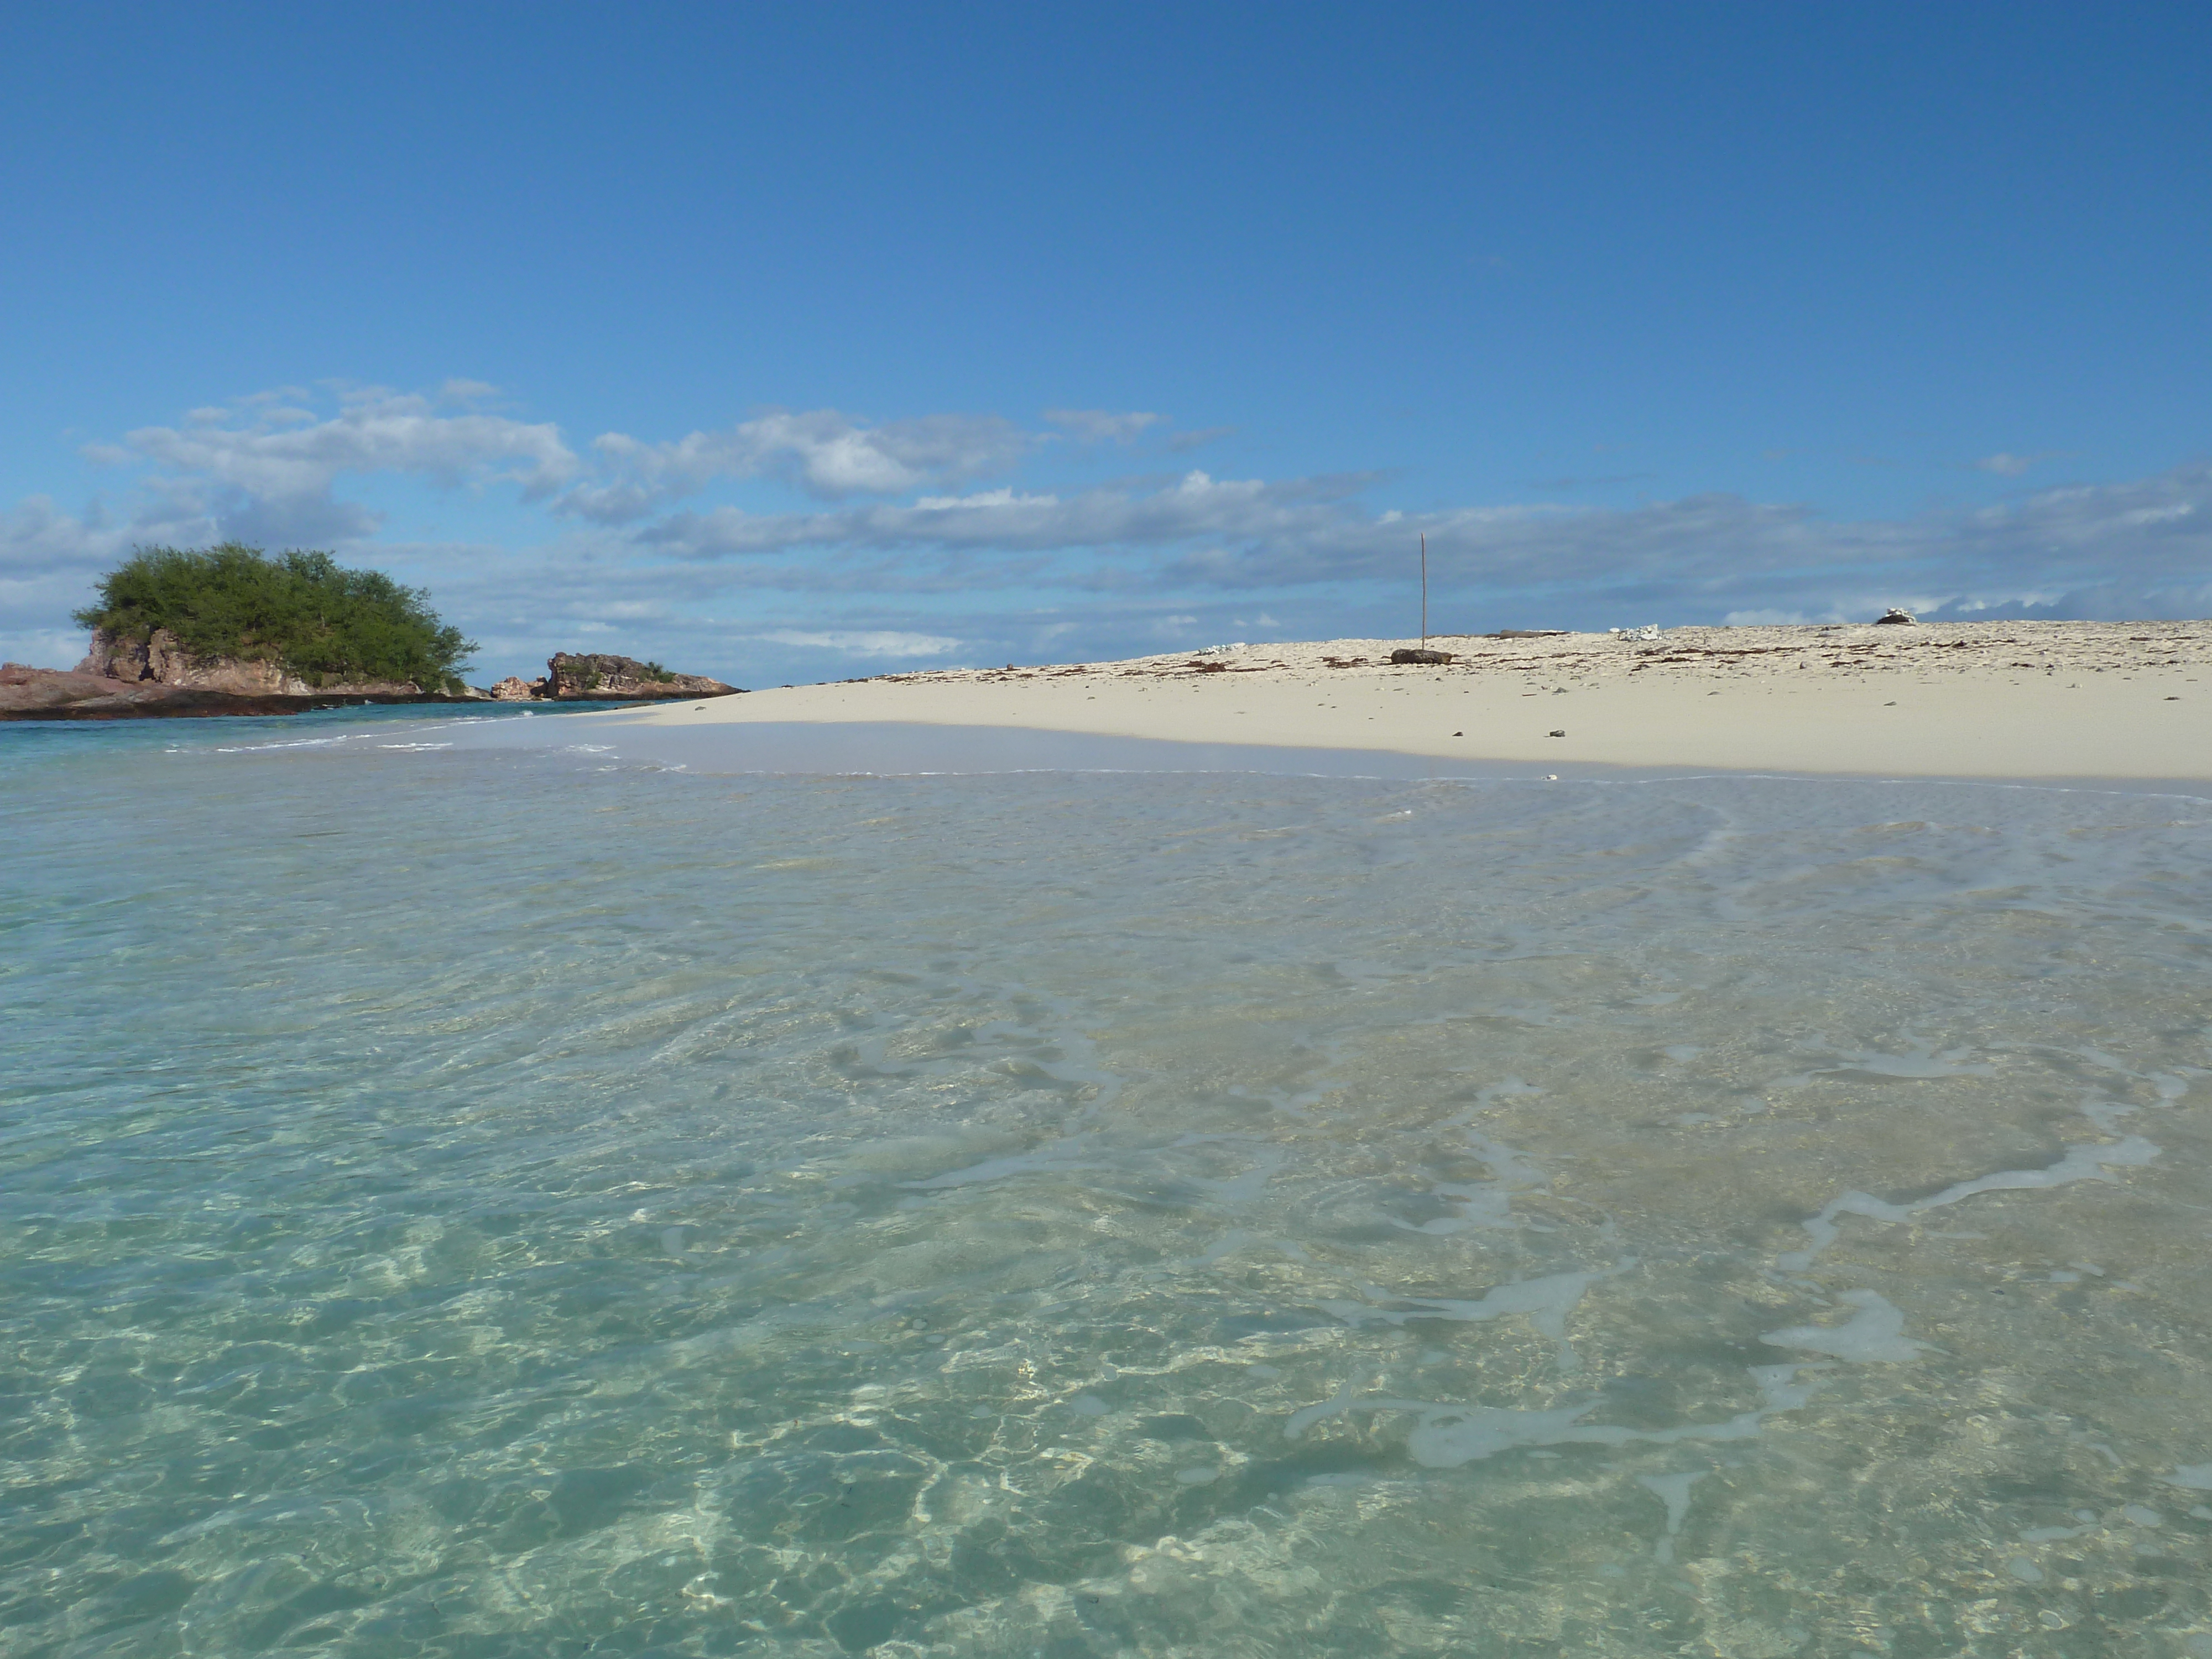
[[897, 748], [185, 703], [230, 688], [2058, 701]]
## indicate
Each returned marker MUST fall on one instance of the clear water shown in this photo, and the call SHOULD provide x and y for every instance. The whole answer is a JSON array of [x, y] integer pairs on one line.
[[478, 1200]]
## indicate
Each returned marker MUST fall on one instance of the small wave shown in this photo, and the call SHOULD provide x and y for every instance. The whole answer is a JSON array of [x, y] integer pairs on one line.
[[261, 748]]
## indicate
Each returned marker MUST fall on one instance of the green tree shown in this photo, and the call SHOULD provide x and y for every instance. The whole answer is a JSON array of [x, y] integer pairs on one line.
[[303, 610]]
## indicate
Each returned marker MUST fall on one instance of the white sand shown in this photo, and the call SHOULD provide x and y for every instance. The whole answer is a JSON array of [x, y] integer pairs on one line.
[[2025, 699]]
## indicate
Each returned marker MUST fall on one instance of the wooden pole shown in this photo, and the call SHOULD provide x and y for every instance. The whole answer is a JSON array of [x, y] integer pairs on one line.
[[1424, 590]]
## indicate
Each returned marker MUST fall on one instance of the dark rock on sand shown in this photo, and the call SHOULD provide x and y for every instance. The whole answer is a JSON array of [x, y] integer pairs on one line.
[[1421, 654], [1894, 617]]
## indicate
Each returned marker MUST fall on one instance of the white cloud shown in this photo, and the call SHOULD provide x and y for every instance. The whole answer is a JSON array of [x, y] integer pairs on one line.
[[38, 539], [824, 452], [1174, 552], [2012, 466], [264, 471], [2172, 512], [1097, 425], [1705, 554], [983, 498], [281, 454], [864, 642], [1145, 513]]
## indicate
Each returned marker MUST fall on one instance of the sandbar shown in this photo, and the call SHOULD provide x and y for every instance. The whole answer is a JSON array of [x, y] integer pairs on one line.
[[1969, 700]]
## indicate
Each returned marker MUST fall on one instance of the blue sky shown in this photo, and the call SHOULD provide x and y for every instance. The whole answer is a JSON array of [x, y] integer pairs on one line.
[[793, 343]]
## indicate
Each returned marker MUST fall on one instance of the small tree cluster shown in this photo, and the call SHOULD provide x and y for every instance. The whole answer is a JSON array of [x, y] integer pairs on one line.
[[303, 610]]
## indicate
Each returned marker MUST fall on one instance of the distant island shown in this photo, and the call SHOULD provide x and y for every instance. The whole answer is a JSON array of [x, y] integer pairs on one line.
[[231, 618], [596, 676], [230, 630]]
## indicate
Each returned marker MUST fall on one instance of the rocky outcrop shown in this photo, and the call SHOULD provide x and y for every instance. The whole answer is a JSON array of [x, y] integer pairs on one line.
[[161, 660], [125, 679], [600, 676], [571, 676], [61, 694], [25, 690]]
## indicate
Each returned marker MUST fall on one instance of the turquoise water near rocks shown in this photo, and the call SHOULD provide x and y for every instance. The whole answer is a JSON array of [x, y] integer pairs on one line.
[[484, 1200]]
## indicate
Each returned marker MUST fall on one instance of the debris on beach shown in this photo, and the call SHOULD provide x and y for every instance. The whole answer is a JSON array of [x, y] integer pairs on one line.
[[1783, 655]]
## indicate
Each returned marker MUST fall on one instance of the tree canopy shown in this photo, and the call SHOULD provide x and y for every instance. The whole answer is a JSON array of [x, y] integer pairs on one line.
[[305, 610]]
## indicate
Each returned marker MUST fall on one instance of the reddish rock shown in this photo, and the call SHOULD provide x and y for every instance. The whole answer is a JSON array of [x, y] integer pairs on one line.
[[24, 688], [571, 676], [163, 661], [61, 694]]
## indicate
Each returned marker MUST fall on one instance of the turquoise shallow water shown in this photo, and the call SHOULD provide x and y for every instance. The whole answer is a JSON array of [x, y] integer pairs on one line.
[[485, 1200]]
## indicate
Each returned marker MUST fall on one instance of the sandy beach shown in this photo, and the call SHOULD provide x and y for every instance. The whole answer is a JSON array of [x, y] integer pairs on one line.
[[2011, 699]]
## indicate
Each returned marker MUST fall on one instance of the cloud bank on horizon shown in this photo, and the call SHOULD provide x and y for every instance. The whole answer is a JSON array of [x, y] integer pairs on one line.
[[813, 543]]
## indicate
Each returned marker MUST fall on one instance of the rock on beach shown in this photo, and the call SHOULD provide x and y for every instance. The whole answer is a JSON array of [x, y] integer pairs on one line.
[[597, 677]]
